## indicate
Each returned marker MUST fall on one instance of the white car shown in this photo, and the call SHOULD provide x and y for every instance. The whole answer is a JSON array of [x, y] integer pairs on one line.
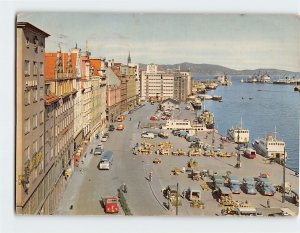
[[104, 139], [147, 135]]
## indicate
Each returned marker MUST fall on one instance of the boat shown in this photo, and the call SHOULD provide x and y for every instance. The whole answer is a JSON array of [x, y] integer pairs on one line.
[[207, 118], [197, 104], [205, 97], [297, 88], [238, 135], [216, 97], [271, 147], [211, 86], [224, 80], [287, 81], [242, 80]]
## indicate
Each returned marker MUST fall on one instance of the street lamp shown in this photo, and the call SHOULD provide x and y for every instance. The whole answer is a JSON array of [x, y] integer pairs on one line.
[[283, 184]]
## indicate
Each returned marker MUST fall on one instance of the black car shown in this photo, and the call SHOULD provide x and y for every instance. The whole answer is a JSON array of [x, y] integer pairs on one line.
[[111, 128]]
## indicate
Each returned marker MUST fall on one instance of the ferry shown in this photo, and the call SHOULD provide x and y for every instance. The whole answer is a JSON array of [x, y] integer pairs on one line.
[[197, 104], [271, 148], [287, 81], [238, 135]]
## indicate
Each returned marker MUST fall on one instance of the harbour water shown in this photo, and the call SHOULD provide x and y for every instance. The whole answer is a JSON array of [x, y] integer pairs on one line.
[[269, 106]]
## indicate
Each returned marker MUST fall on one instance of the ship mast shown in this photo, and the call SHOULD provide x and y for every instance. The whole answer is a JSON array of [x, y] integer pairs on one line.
[[275, 133]]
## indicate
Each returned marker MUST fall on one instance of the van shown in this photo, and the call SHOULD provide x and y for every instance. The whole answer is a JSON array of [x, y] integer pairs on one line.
[[106, 160], [148, 135]]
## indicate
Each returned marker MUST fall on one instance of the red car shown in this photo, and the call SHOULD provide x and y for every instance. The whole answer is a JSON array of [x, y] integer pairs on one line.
[[250, 153], [111, 205], [153, 118]]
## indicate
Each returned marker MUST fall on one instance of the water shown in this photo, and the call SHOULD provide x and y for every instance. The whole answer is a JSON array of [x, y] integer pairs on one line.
[[272, 106]]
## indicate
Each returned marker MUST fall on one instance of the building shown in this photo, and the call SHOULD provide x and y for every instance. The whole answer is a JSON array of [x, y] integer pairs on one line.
[[30, 166], [59, 125], [169, 104], [137, 78], [182, 85], [113, 95], [156, 85], [128, 73], [98, 111]]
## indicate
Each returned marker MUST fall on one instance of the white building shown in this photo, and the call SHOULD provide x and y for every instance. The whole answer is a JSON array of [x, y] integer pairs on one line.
[[169, 104]]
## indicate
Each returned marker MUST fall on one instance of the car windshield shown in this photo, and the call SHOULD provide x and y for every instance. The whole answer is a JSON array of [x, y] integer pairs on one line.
[[111, 200]]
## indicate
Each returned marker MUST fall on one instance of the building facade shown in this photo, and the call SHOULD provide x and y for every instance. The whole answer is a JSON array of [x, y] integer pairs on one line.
[[182, 85], [156, 85], [59, 125], [113, 95], [30, 110]]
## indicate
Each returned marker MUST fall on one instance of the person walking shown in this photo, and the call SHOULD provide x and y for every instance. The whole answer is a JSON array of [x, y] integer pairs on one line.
[[268, 203]]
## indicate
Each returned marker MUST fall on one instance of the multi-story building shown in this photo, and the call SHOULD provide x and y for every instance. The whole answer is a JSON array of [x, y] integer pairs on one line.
[[156, 85], [86, 88], [128, 74], [98, 111], [137, 78], [78, 126], [59, 124], [30, 170], [182, 85], [113, 95]]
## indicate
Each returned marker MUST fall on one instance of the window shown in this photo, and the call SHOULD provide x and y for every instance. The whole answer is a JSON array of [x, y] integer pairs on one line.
[[41, 140], [27, 126], [34, 95], [41, 117], [27, 153], [35, 68], [41, 68], [27, 42], [27, 97], [34, 121], [41, 93], [34, 147], [27, 68]]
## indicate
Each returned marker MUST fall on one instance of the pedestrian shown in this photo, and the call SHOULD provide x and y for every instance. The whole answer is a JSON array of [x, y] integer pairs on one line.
[[268, 203], [124, 188], [150, 176], [130, 119], [246, 202]]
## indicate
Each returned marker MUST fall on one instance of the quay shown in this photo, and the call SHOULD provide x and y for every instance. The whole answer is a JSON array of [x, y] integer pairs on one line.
[[88, 184]]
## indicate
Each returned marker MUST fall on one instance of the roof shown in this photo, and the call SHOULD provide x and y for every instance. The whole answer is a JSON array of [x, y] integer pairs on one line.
[[225, 190], [96, 64], [32, 28], [50, 98], [50, 63], [112, 78], [170, 100]]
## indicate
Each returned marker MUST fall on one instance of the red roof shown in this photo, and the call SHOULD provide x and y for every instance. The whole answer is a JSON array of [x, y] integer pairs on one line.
[[96, 64], [50, 98], [50, 61]]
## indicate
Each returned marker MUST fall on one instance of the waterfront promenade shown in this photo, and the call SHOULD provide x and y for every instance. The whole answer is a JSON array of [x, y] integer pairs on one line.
[[86, 188]]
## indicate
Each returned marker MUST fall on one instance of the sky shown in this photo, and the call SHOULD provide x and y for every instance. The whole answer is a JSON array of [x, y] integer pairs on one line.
[[239, 41]]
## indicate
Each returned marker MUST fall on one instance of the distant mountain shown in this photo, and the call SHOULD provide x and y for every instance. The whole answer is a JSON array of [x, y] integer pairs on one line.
[[209, 69]]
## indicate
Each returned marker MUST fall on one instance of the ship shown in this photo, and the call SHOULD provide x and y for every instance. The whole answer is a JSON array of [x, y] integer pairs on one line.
[[197, 104], [224, 80], [271, 147], [217, 97], [207, 118], [287, 81], [238, 134]]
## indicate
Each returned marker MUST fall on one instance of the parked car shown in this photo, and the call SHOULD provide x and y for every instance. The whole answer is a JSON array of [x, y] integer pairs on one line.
[[111, 128], [104, 138], [106, 134], [120, 127], [249, 185], [98, 150], [218, 181], [147, 135], [110, 205], [192, 139], [265, 187], [182, 134], [153, 118], [176, 132], [163, 135], [234, 184]]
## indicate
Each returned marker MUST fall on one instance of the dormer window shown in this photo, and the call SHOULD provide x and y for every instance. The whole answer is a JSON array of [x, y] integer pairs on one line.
[[35, 42], [27, 42]]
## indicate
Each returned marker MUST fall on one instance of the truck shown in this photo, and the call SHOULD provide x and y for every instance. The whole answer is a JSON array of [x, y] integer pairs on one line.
[[194, 193], [110, 204]]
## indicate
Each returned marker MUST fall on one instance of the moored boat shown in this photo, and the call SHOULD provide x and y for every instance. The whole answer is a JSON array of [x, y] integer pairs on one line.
[[271, 147], [238, 135], [197, 104]]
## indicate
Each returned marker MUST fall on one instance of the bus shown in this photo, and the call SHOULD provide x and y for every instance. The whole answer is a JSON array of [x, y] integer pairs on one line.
[[106, 160]]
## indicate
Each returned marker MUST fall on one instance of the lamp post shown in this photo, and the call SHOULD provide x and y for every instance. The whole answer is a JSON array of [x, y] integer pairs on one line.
[[283, 184]]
